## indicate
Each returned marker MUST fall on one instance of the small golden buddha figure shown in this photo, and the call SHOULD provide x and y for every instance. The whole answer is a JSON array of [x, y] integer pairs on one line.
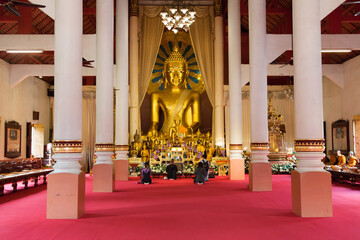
[[135, 145], [176, 101], [341, 158], [353, 161], [145, 154]]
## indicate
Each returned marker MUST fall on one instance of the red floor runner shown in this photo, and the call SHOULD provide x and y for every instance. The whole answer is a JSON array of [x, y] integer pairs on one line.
[[219, 209]]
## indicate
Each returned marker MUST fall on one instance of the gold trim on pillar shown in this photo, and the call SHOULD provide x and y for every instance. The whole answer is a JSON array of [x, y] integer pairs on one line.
[[104, 147], [134, 8], [122, 148], [217, 8], [309, 145], [261, 146], [235, 147], [67, 146]]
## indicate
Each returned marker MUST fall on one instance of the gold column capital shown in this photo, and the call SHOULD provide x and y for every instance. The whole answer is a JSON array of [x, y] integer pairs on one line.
[[134, 8], [261, 146], [309, 145], [235, 147], [121, 147], [104, 147], [67, 146], [218, 8]]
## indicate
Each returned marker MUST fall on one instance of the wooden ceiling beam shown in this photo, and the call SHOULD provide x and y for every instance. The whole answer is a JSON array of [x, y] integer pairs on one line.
[[9, 19]]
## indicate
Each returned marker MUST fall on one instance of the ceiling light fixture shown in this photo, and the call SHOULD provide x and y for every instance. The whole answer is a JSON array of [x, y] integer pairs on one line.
[[336, 50], [178, 16], [25, 51]]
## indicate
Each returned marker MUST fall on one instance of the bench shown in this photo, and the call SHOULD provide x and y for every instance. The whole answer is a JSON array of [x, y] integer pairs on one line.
[[23, 176]]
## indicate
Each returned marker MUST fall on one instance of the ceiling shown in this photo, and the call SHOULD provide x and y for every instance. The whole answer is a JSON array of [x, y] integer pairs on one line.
[[278, 21]]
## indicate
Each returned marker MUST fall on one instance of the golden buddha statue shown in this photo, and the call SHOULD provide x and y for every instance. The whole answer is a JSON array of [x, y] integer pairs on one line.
[[353, 161], [179, 104], [135, 145]]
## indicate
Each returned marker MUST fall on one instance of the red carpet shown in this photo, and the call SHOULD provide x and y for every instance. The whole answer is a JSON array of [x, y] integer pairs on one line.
[[220, 209]]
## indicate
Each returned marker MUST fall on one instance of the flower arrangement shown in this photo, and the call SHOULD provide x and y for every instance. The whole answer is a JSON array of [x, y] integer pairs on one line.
[[283, 168], [189, 169]]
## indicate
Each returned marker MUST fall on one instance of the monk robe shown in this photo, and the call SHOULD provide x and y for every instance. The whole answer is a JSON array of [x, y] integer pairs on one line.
[[332, 160], [353, 161], [341, 160]]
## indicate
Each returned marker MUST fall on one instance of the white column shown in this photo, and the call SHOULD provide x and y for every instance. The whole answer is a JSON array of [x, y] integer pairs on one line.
[[122, 90], [134, 76], [66, 184], [122, 76], [258, 81], [68, 87], [260, 174], [104, 81], [219, 81], [235, 96], [308, 85]]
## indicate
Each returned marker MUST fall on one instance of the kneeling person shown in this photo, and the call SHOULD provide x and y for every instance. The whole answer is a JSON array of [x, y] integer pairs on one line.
[[171, 170], [146, 174]]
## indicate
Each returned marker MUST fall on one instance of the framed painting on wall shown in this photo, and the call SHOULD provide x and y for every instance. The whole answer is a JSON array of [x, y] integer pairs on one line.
[[12, 139], [340, 136]]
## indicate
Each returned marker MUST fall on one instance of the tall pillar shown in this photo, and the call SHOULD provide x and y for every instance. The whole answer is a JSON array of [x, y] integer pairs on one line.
[[237, 169], [134, 70], [219, 76], [260, 175], [104, 148], [122, 91], [310, 184], [66, 184]]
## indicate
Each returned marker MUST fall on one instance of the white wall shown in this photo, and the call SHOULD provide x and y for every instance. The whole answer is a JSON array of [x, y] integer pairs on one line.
[[18, 104], [342, 103]]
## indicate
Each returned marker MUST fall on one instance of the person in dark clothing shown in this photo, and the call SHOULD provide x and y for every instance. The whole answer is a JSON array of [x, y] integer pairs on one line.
[[171, 170], [200, 174], [145, 174], [206, 166]]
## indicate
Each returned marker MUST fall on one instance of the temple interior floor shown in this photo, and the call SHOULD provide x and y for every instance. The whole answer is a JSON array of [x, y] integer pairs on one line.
[[219, 209]]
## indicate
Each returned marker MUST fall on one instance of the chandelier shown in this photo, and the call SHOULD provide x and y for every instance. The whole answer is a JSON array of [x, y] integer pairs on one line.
[[178, 17]]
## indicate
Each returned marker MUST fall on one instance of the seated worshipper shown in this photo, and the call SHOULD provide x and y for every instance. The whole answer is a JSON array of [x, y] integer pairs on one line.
[[206, 166], [200, 174], [341, 158], [145, 174], [332, 157], [353, 161], [171, 170]]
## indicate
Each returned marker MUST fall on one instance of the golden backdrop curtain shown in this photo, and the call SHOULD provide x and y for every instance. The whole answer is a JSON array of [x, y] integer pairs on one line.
[[150, 34], [88, 129], [202, 39]]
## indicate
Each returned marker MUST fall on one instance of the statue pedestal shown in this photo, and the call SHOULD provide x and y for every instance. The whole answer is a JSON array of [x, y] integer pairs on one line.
[[260, 176], [103, 180], [65, 195], [311, 194]]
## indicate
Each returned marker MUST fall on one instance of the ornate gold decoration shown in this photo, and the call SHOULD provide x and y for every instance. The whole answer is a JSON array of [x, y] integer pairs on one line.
[[185, 53], [134, 8], [121, 147], [309, 145], [67, 146], [217, 8], [104, 147], [263, 146], [235, 146]]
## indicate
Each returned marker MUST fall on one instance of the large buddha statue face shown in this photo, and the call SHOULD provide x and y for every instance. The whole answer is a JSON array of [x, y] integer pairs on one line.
[[175, 73]]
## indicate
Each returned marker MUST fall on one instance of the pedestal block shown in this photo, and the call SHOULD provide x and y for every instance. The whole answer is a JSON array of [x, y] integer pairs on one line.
[[260, 176], [65, 195], [311, 194], [121, 169], [103, 180], [237, 169]]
